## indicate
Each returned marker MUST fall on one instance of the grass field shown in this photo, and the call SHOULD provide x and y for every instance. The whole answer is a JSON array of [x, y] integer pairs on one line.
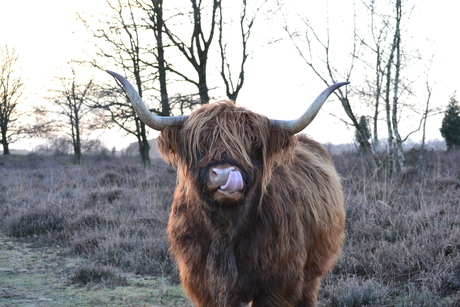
[[94, 235]]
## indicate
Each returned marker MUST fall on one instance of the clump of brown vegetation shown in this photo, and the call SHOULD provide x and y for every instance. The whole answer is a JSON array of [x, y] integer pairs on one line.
[[403, 231], [114, 212], [91, 273], [403, 234]]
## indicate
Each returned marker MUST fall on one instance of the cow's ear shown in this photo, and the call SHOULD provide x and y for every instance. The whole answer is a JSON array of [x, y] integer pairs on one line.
[[281, 144], [169, 145]]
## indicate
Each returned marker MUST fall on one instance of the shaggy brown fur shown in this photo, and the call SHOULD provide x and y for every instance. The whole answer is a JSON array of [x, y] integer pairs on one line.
[[272, 244]]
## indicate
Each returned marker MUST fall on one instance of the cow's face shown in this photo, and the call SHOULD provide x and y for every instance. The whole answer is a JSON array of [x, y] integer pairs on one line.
[[225, 151]]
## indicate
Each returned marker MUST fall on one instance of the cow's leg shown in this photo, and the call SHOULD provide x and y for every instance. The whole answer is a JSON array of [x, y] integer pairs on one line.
[[268, 299], [277, 295], [310, 293]]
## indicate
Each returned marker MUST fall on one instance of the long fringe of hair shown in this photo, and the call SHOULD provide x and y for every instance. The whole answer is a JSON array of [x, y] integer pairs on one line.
[[221, 130]]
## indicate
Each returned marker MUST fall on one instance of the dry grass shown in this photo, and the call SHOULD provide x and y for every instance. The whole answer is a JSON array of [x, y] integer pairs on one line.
[[403, 232], [403, 235], [113, 212], [93, 273]]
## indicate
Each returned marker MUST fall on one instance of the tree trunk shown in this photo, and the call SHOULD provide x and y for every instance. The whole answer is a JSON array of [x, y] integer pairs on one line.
[[77, 153], [390, 149], [6, 148], [388, 108], [4, 140], [76, 127], [399, 153], [158, 29], [77, 146], [140, 126], [378, 72], [144, 146], [203, 87]]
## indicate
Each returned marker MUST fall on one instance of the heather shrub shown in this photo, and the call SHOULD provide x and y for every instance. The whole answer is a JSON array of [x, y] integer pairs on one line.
[[33, 221], [89, 219], [353, 292], [402, 243], [93, 273], [111, 179], [110, 211], [403, 234]]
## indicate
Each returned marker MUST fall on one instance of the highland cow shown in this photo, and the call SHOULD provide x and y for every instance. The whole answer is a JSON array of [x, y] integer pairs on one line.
[[257, 217]]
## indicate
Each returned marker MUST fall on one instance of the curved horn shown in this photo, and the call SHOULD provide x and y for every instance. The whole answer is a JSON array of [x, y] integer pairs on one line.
[[302, 122], [154, 121]]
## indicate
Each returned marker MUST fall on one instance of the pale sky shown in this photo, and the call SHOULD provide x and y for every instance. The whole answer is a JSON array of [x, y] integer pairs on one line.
[[43, 34]]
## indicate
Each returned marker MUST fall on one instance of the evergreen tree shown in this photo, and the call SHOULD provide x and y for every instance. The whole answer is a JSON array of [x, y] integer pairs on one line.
[[450, 128], [359, 137]]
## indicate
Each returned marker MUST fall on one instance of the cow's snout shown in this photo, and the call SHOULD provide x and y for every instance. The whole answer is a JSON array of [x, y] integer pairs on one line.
[[227, 181], [219, 174]]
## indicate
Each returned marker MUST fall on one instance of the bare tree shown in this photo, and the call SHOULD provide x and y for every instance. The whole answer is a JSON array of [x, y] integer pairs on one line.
[[197, 52], [128, 32], [428, 111], [379, 33], [118, 113], [387, 88], [120, 34], [388, 84], [233, 87], [71, 99], [11, 91], [394, 147], [429, 89], [332, 75], [157, 25]]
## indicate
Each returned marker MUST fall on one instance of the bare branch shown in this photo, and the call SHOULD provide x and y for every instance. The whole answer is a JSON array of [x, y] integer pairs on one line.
[[245, 26]]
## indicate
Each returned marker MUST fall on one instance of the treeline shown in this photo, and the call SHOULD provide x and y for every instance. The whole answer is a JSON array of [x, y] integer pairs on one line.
[[136, 36], [193, 47]]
